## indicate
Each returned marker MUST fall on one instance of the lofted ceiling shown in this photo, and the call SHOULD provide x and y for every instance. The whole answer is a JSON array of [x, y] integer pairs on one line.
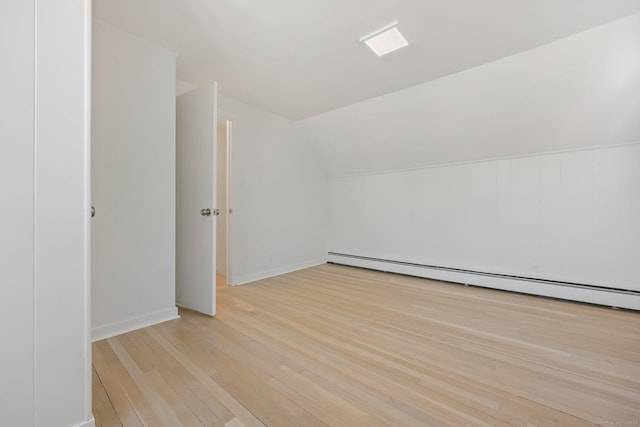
[[299, 58]]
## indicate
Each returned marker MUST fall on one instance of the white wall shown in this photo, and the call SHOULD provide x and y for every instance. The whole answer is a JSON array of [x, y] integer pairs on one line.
[[183, 87], [133, 162], [581, 91], [44, 185], [16, 229], [278, 195], [569, 216]]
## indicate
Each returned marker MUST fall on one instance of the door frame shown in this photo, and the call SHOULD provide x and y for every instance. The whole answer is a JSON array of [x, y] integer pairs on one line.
[[228, 118]]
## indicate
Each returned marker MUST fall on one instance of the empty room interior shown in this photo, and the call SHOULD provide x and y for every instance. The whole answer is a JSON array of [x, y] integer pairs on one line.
[[321, 213]]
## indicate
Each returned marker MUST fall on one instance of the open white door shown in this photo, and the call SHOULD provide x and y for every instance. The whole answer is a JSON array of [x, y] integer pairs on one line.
[[196, 126]]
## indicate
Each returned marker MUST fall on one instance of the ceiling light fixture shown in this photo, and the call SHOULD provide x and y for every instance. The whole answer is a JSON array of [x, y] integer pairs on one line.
[[385, 40]]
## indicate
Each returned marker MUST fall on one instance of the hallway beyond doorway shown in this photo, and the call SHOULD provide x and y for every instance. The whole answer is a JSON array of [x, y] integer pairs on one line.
[[221, 281]]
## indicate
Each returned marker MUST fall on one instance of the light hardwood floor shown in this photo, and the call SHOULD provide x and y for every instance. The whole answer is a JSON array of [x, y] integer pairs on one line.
[[339, 346]]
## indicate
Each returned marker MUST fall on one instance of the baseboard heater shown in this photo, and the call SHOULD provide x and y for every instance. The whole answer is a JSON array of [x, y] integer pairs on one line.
[[593, 294]]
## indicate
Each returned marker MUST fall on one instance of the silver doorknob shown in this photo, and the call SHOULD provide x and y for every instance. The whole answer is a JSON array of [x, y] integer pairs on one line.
[[205, 212], [93, 211], [216, 212]]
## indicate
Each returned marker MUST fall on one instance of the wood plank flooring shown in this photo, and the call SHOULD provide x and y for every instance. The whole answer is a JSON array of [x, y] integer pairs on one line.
[[338, 346]]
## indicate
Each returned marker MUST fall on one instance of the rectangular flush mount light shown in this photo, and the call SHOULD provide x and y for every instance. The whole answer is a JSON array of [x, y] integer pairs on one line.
[[385, 40]]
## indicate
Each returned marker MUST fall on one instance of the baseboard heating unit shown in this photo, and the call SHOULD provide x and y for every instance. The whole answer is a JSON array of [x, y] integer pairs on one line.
[[593, 294]]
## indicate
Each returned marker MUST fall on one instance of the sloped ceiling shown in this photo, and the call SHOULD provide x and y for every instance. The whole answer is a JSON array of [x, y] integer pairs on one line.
[[578, 92], [299, 58]]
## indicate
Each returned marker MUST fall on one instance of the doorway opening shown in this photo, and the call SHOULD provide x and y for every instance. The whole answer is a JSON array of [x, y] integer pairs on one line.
[[223, 252]]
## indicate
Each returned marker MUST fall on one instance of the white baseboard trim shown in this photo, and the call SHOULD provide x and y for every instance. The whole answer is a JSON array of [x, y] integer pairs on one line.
[[611, 298], [90, 423], [248, 278], [128, 325]]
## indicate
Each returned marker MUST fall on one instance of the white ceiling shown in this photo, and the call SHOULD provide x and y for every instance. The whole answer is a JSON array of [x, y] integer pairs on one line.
[[298, 58], [578, 92]]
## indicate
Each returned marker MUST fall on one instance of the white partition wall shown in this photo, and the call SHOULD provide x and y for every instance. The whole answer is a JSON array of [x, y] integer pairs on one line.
[[62, 197], [133, 160], [44, 186], [16, 222]]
